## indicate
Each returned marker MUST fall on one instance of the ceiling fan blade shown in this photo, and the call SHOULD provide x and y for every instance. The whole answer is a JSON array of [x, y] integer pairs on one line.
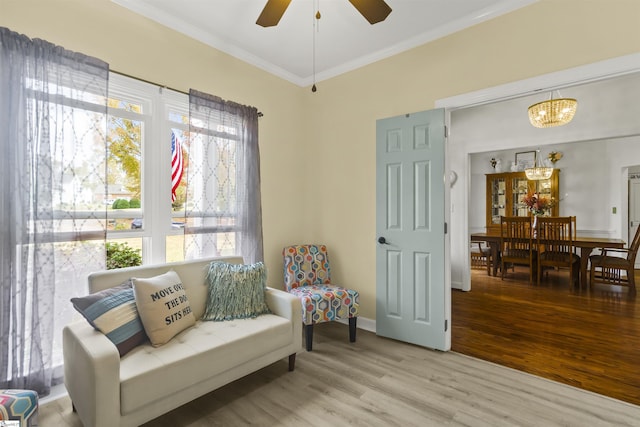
[[373, 11], [272, 12]]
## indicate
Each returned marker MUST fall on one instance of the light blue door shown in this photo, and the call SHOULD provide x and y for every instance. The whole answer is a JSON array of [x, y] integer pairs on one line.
[[410, 224]]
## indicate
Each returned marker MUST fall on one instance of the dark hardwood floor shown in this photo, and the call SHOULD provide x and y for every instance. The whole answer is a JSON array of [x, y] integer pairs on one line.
[[588, 339]]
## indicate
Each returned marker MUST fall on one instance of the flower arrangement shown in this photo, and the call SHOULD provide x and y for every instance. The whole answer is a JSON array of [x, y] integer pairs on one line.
[[538, 205]]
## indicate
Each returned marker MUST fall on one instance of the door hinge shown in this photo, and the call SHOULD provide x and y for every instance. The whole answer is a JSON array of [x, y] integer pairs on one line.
[[445, 228], [446, 324]]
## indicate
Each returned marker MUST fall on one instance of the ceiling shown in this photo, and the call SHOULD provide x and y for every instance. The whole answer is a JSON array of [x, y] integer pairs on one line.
[[344, 40]]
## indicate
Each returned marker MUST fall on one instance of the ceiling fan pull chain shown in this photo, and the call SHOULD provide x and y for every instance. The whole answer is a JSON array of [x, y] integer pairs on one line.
[[316, 25]]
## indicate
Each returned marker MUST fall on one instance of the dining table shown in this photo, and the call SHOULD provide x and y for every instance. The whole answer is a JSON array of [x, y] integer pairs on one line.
[[586, 245]]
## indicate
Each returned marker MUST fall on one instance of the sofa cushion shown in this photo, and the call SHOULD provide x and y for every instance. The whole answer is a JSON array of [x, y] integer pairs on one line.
[[163, 306], [113, 312], [197, 354], [236, 291]]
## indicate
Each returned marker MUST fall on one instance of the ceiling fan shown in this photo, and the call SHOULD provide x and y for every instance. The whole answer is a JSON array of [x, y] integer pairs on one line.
[[373, 11]]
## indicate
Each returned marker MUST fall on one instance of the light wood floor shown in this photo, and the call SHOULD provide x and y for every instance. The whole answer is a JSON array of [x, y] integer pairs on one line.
[[586, 339], [381, 382]]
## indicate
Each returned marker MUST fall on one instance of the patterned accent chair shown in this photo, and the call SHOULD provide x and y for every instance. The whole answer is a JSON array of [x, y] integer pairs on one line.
[[19, 405], [307, 275]]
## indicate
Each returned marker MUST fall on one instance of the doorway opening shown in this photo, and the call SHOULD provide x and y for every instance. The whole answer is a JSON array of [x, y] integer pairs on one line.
[[473, 134]]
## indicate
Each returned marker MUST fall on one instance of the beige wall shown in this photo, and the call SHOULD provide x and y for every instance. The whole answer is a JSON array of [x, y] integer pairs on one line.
[[323, 143]]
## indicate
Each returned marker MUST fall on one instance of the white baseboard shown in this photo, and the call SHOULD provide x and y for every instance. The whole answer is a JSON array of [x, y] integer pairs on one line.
[[57, 391], [363, 323]]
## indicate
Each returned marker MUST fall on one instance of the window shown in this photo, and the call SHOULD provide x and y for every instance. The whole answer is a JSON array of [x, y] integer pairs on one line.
[[154, 152], [142, 119]]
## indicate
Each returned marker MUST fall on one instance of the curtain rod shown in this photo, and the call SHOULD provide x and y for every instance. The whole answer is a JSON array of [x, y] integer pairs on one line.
[[159, 85]]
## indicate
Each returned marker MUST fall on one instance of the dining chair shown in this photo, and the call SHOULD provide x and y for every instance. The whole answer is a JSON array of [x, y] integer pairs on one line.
[[481, 256], [554, 241], [307, 275], [607, 267], [517, 245]]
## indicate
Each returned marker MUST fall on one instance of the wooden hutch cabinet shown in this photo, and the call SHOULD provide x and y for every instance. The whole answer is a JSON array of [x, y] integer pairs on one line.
[[505, 192]]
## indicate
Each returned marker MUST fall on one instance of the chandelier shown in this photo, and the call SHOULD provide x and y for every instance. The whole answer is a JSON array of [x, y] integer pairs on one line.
[[553, 112], [538, 172]]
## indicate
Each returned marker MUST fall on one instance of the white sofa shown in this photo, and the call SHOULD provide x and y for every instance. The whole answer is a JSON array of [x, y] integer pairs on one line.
[[107, 390]]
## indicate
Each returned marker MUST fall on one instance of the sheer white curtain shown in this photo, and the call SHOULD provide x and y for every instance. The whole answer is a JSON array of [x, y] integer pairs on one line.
[[223, 207], [53, 106]]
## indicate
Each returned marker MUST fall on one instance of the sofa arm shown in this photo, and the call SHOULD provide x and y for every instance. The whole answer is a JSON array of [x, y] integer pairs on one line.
[[285, 305], [92, 374]]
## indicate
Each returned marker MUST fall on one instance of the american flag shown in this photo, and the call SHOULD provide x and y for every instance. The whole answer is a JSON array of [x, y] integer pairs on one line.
[[176, 165]]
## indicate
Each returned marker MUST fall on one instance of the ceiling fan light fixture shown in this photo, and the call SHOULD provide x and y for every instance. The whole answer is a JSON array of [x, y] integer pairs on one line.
[[553, 112], [373, 11]]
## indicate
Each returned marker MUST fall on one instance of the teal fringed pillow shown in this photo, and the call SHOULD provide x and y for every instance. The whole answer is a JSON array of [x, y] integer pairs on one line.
[[236, 291]]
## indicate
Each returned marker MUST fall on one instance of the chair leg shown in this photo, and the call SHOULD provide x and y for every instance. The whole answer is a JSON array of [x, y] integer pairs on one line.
[[576, 276], [631, 277], [308, 331], [352, 329], [533, 272], [572, 284], [292, 362]]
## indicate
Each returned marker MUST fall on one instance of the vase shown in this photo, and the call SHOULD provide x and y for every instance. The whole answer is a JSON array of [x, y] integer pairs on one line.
[[534, 227]]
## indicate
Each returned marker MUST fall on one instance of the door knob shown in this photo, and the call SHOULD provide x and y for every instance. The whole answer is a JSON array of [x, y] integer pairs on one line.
[[382, 241]]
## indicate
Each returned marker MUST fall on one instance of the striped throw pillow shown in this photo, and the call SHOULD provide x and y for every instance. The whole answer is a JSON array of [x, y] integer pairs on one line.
[[114, 312]]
